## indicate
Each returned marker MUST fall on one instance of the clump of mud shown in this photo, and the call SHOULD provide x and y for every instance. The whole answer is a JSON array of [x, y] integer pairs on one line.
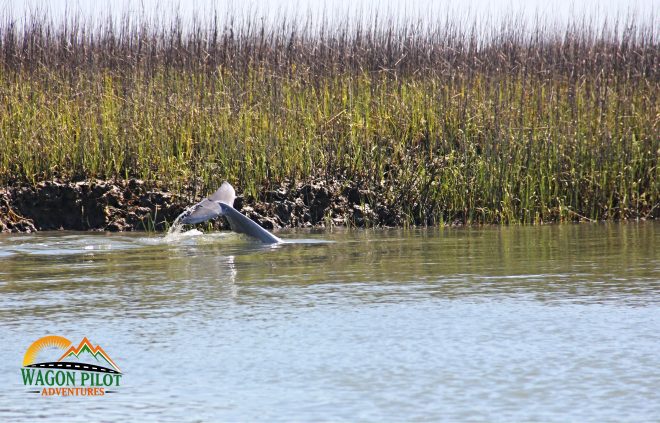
[[321, 203], [133, 205], [10, 220], [89, 205]]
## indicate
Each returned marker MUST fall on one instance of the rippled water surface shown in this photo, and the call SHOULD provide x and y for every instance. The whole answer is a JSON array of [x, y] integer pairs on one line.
[[551, 323]]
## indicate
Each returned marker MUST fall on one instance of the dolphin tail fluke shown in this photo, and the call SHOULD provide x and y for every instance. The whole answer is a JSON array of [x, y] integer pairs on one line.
[[221, 203], [244, 225], [201, 212], [224, 194], [208, 208]]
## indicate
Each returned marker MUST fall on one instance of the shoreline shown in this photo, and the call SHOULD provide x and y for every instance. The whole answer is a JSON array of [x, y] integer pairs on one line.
[[136, 205]]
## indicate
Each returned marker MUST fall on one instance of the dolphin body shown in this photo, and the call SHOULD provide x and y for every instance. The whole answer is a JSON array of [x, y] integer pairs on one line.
[[221, 203]]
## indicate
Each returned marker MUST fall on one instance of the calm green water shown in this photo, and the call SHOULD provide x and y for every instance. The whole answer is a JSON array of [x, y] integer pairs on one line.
[[552, 323]]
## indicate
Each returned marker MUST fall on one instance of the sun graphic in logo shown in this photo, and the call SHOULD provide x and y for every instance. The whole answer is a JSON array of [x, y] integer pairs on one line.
[[45, 342]]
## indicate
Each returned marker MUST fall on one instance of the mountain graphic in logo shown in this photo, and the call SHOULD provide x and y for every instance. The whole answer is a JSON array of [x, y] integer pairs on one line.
[[85, 357], [87, 353]]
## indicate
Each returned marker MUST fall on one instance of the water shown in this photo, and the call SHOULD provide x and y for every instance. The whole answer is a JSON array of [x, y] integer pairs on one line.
[[551, 323]]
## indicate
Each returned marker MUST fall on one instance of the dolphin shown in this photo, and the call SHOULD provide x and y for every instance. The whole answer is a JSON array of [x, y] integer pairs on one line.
[[221, 203]]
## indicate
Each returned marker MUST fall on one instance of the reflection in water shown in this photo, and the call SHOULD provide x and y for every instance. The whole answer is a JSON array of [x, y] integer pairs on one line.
[[523, 323]]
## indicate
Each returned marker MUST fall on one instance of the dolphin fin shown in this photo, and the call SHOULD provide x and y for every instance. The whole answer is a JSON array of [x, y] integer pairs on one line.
[[224, 194], [208, 208], [202, 211], [244, 225]]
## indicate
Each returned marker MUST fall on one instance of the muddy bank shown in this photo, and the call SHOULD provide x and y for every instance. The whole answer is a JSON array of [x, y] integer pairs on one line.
[[134, 205]]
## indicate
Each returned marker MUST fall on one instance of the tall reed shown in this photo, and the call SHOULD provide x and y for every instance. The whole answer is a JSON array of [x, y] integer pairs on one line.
[[454, 121]]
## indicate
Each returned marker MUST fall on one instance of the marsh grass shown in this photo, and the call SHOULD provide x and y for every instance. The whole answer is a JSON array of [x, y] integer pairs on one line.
[[453, 121]]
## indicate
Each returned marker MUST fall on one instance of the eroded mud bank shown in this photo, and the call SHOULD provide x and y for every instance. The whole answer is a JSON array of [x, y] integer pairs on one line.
[[132, 205]]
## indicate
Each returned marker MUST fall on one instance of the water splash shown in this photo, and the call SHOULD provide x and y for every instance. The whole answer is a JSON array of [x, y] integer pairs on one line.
[[178, 235], [176, 230], [176, 226]]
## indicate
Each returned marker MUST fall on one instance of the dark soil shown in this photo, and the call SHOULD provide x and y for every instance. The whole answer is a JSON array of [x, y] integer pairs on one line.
[[133, 205]]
